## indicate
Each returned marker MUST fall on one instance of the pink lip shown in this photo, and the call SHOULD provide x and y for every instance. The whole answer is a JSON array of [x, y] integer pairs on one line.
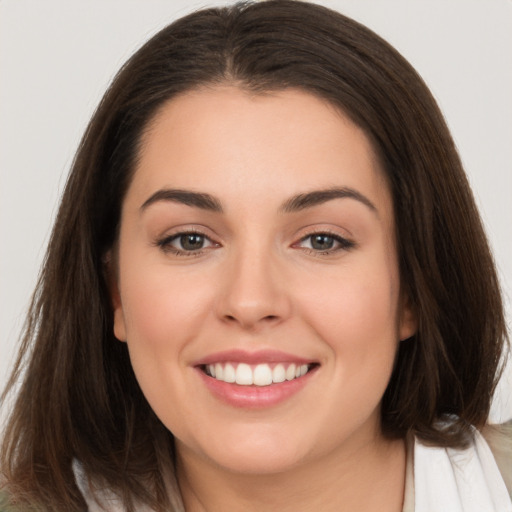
[[260, 356], [253, 397]]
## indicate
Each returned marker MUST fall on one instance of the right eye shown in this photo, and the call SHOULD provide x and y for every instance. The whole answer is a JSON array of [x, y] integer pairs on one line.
[[324, 243]]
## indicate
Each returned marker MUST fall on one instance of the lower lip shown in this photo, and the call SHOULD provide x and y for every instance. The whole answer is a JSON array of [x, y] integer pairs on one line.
[[255, 397]]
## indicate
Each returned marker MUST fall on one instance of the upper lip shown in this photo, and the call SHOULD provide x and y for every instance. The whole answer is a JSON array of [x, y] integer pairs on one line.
[[256, 357]]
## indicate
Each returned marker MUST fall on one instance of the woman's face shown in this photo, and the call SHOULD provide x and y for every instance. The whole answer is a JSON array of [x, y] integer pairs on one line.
[[257, 245]]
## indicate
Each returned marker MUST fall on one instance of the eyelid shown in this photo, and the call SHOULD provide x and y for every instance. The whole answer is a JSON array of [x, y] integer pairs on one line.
[[344, 243], [164, 242]]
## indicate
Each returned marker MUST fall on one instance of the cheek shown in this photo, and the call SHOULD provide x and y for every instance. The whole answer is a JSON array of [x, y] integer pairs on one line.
[[353, 307], [355, 314], [162, 313], [162, 308], [358, 323]]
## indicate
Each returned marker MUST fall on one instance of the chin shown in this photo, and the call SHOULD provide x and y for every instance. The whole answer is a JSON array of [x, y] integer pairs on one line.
[[258, 462], [255, 451]]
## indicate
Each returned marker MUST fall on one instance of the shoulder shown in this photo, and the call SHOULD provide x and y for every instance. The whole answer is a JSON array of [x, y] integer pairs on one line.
[[499, 439], [5, 503], [472, 479]]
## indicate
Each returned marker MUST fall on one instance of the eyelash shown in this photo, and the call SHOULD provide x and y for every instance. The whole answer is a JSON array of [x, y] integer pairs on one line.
[[343, 244], [165, 244]]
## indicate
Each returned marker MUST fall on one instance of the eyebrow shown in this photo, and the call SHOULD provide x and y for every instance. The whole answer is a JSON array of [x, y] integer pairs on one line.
[[294, 204], [187, 197], [316, 197]]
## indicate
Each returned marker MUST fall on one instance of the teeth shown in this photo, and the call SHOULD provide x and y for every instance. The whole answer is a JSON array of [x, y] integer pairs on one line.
[[229, 373], [279, 373], [290, 372], [262, 375], [244, 375], [259, 375]]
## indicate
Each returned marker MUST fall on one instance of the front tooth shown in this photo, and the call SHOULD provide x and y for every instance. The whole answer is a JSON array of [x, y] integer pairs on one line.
[[244, 375], [290, 372], [303, 369], [278, 374], [229, 373], [219, 372], [262, 375]]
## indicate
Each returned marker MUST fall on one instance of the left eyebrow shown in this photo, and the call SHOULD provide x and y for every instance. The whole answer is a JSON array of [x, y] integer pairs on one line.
[[187, 197], [316, 197]]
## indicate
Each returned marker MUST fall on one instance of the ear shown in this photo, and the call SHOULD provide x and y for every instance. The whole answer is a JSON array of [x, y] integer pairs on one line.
[[408, 319], [112, 280]]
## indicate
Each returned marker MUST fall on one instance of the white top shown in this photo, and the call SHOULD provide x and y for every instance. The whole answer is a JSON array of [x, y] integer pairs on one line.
[[457, 480]]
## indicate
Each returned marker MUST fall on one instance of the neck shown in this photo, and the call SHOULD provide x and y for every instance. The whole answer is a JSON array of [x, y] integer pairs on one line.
[[367, 477]]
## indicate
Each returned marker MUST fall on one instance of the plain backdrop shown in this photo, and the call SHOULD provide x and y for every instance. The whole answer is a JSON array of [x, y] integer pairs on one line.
[[58, 56]]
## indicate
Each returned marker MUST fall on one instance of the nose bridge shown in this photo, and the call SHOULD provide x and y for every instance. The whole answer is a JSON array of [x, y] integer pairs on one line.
[[254, 293]]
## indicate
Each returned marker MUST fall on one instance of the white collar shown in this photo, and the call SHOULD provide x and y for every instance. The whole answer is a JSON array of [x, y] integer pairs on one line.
[[458, 480]]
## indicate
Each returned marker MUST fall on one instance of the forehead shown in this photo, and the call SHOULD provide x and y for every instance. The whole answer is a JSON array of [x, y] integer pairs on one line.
[[237, 145]]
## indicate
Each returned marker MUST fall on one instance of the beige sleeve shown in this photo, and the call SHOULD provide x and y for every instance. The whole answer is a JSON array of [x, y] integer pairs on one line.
[[499, 439]]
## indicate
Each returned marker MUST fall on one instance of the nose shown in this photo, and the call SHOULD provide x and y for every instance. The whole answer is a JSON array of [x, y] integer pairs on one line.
[[255, 292]]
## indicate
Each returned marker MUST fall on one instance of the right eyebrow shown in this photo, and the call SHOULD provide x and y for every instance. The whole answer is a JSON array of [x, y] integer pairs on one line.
[[187, 197], [315, 197]]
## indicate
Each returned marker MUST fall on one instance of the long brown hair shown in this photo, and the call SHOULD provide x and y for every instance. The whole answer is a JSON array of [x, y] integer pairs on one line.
[[79, 398]]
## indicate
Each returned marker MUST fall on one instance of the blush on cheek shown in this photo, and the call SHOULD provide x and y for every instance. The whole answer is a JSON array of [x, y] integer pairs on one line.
[[158, 310], [354, 310]]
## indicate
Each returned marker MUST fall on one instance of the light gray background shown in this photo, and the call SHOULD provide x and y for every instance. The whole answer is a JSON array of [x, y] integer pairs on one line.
[[57, 57]]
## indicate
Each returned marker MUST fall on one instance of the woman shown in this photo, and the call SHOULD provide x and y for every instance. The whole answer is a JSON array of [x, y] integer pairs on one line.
[[267, 287]]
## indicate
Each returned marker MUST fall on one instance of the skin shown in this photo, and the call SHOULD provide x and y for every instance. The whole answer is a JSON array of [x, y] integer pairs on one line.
[[259, 283]]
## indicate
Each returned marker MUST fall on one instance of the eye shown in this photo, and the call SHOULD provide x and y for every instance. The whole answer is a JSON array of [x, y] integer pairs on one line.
[[189, 241], [325, 243], [186, 243]]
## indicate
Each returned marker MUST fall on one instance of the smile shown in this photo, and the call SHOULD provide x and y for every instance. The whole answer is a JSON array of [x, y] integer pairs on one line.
[[255, 380], [262, 374]]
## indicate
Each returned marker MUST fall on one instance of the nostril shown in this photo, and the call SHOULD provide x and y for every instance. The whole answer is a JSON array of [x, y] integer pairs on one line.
[[266, 317], [251, 322]]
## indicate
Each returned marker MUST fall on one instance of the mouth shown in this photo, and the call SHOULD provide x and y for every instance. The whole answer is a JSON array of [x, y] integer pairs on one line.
[[262, 374], [255, 380]]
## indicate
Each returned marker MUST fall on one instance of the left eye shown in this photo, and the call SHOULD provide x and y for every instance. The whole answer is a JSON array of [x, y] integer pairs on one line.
[[186, 242], [325, 242]]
